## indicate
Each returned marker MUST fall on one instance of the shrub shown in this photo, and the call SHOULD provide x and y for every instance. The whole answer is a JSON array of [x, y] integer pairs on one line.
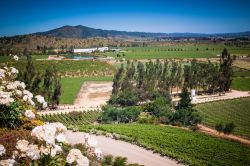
[[125, 115], [229, 127], [145, 117], [10, 115], [125, 98], [158, 108], [186, 117], [225, 128]]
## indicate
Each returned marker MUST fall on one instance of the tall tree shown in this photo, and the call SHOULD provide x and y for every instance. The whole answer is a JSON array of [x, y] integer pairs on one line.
[[185, 101], [226, 70], [117, 80]]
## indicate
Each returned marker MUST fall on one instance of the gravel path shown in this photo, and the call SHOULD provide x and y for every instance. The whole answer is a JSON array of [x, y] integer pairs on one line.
[[134, 154]]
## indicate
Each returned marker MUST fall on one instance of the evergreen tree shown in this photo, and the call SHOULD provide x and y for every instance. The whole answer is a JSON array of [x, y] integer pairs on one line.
[[185, 101], [226, 70], [28, 75], [141, 75], [52, 86], [117, 80]]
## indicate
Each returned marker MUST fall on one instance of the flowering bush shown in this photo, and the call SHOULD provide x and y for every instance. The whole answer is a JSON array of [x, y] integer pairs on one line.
[[33, 142], [16, 103]]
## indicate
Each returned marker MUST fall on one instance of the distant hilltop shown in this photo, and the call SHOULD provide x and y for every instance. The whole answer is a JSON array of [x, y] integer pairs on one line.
[[83, 32]]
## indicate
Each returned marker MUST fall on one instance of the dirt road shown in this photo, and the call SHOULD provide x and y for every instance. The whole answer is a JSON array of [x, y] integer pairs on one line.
[[134, 154]]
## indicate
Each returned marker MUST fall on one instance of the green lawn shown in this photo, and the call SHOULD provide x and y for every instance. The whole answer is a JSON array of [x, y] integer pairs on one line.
[[190, 147], [71, 87], [177, 51], [236, 111], [241, 83]]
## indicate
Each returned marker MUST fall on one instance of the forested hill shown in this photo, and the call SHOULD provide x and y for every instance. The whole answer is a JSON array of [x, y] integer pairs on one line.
[[87, 32]]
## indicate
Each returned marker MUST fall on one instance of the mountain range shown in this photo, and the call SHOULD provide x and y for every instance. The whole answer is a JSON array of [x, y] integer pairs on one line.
[[82, 32]]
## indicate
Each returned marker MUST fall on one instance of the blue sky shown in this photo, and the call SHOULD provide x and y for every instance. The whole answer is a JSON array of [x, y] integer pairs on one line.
[[201, 16]]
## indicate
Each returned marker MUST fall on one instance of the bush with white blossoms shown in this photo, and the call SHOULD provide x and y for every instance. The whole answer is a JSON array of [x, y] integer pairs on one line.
[[75, 155], [2, 150], [16, 103], [40, 144]]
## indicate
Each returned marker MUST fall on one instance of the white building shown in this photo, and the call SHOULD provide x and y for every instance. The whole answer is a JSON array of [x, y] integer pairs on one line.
[[90, 50]]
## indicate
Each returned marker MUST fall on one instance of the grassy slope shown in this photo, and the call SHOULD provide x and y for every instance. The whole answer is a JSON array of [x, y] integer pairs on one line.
[[71, 87], [191, 147], [236, 111]]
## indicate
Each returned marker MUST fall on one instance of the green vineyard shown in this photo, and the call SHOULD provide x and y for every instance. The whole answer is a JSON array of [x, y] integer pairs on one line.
[[236, 111], [73, 118], [192, 148]]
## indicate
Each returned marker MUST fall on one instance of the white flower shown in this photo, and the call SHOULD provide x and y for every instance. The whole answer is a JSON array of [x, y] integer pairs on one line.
[[38, 132], [55, 149], [2, 73], [61, 138], [15, 154], [18, 92], [40, 99], [92, 142], [45, 150], [31, 102], [22, 145], [59, 127], [29, 114], [98, 153], [11, 86], [9, 162], [13, 70], [33, 152], [2, 150], [45, 105], [15, 58], [50, 132], [25, 97], [5, 97], [28, 93], [22, 85], [76, 155], [83, 161]]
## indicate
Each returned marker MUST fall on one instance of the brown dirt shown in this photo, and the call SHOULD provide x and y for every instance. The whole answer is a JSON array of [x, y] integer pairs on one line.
[[215, 133]]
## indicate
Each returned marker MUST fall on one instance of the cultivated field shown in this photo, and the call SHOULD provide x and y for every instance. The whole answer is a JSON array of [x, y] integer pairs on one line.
[[73, 68], [73, 118], [177, 51], [236, 111], [187, 146]]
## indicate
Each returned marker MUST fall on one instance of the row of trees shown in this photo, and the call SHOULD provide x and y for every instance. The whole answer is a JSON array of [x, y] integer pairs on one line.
[[147, 79], [48, 83]]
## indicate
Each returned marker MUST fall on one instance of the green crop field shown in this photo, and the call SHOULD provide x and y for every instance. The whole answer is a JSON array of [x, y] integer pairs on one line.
[[73, 118], [68, 68], [71, 87], [183, 51], [236, 111], [73, 68], [242, 84], [193, 148]]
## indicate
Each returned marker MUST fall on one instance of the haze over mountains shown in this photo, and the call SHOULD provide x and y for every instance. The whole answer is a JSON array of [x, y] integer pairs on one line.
[[82, 32]]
